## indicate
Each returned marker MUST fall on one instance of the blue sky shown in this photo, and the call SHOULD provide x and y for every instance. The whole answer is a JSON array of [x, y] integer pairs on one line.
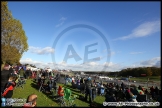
[[132, 30]]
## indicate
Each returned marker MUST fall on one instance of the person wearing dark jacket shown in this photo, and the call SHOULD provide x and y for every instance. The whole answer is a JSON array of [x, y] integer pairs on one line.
[[11, 70], [123, 86], [88, 89], [5, 74], [46, 74], [27, 73], [109, 97]]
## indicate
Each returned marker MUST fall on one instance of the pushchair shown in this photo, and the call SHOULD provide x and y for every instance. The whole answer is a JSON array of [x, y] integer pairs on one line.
[[54, 87], [20, 82], [42, 87]]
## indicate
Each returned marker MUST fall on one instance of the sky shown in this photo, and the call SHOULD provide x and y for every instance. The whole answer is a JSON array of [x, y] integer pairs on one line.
[[90, 36]]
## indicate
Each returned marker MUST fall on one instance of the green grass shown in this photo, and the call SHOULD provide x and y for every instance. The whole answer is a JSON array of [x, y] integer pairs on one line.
[[144, 79], [151, 78], [46, 99]]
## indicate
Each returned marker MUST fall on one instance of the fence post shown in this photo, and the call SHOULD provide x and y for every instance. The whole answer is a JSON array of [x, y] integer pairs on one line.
[[129, 82], [147, 82]]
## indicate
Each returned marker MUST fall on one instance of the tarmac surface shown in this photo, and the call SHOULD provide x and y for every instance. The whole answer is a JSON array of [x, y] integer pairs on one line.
[[127, 83]]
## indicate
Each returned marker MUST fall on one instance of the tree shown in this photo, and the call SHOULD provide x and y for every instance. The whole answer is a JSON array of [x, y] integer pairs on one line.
[[13, 38], [149, 72], [10, 57]]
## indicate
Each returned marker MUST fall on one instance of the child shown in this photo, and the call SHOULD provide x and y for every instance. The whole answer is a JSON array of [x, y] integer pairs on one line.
[[31, 101], [60, 91], [10, 85]]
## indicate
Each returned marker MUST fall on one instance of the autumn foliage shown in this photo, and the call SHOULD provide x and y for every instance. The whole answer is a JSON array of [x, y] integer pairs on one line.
[[13, 38]]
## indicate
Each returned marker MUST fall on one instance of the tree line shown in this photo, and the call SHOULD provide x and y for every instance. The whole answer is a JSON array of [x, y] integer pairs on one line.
[[13, 38], [135, 72], [140, 72]]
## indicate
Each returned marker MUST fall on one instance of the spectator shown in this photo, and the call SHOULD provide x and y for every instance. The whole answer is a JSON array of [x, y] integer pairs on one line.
[[30, 73], [81, 80], [135, 91], [53, 84], [11, 70], [127, 95], [94, 93], [78, 83], [152, 91], [31, 101], [27, 73], [109, 97], [8, 92], [123, 86], [140, 87], [47, 84], [159, 97], [52, 74], [117, 87], [21, 73], [132, 97], [60, 91], [146, 91], [46, 74], [5, 73], [88, 89], [120, 95], [156, 90]]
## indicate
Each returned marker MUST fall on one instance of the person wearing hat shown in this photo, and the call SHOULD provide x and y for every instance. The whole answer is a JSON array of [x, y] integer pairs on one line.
[[5, 74]]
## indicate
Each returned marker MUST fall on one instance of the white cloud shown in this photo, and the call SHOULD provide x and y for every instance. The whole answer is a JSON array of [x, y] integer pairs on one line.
[[62, 63], [62, 20], [93, 66], [90, 64], [111, 53], [136, 52], [158, 64], [143, 30], [151, 62], [41, 51], [60, 24]]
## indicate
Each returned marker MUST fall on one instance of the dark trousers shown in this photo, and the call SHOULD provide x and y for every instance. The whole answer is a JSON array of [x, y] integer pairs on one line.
[[88, 93]]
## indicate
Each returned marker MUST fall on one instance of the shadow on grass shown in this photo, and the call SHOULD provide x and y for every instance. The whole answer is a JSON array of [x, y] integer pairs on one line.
[[77, 92], [49, 95], [74, 92], [95, 104]]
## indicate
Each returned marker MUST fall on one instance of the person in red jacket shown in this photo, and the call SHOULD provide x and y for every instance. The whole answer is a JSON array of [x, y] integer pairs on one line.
[[9, 87], [60, 91]]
